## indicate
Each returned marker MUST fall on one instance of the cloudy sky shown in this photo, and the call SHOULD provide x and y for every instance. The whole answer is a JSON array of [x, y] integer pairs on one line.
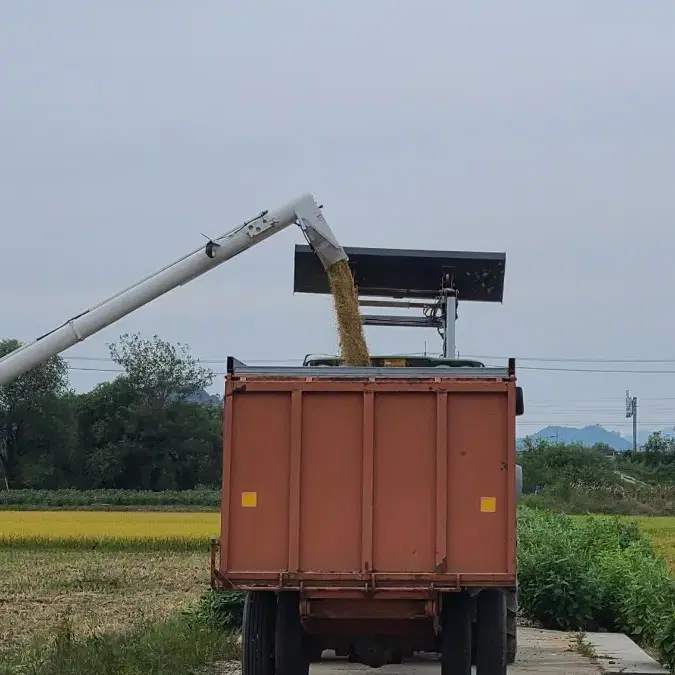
[[543, 129]]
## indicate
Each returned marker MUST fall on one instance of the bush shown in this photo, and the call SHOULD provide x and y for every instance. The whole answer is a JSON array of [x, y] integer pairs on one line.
[[595, 573], [546, 464], [202, 497], [222, 610], [556, 587]]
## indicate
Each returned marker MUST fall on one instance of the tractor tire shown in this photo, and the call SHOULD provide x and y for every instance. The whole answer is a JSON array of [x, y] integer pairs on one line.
[[315, 653], [291, 653], [257, 636], [511, 625], [473, 643], [491, 633], [456, 634]]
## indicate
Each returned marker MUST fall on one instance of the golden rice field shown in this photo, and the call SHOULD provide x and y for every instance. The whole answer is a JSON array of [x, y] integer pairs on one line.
[[661, 531], [86, 527]]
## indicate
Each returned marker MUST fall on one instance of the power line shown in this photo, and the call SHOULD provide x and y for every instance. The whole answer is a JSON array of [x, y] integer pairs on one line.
[[547, 359], [598, 370], [581, 359], [533, 368], [590, 360]]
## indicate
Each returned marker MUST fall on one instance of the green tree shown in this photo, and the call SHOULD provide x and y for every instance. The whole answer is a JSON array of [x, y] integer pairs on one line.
[[547, 464], [32, 417], [659, 448], [141, 431], [159, 371]]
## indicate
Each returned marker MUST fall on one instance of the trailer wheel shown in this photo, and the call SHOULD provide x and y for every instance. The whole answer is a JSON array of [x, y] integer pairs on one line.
[[315, 652], [456, 634], [473, 643], [491, 633], [258, 633], [291, 653], [511, 625]]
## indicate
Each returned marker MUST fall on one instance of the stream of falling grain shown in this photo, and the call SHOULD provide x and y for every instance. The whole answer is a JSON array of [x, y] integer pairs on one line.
[[352, 339]]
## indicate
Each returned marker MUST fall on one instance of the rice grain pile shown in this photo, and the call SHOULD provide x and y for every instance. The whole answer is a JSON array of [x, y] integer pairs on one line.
[[352, 340]]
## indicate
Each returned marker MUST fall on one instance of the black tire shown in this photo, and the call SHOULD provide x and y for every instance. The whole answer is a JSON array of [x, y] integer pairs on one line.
[[520, 402], [456, 634], [257, 638], [511, 625], [291, 653], [473, 643], [315, 653], [491, 633]]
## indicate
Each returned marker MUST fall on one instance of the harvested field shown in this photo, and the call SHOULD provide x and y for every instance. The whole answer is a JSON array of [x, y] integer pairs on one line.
[[97, 591], [352, 340]]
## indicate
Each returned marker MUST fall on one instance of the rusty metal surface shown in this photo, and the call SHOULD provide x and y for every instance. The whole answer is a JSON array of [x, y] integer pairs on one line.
[[367, 608], [386, 485]]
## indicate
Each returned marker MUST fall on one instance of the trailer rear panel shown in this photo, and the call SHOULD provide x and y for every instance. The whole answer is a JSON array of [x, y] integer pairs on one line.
[[390, 484]]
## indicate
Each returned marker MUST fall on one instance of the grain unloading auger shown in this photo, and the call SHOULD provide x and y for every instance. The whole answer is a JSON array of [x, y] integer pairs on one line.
[[303, 211]]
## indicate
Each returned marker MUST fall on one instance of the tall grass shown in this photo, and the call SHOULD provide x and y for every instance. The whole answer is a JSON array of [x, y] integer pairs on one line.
[[181, 646], [628, 500]]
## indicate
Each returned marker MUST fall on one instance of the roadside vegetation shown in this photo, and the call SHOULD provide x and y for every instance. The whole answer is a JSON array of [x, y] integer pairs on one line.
[[577, 479], [596, 573]]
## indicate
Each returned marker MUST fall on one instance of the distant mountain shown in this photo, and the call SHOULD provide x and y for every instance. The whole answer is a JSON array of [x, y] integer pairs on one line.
[[590, 435]]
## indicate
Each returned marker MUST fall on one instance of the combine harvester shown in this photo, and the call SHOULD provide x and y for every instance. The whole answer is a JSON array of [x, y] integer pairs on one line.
[[372, 510], [368, 510]]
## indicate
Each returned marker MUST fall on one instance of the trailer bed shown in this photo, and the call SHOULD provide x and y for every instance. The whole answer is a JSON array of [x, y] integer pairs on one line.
[[378, 480]]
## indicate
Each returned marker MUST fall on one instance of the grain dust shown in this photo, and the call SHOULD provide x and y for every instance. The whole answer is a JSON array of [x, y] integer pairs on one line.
[[352, 339]]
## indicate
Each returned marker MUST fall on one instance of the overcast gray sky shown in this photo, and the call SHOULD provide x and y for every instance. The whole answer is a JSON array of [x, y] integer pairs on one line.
[[543, 129]]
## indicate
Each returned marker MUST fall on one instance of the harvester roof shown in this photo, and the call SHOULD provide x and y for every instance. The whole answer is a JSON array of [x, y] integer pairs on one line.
[[403, 273]]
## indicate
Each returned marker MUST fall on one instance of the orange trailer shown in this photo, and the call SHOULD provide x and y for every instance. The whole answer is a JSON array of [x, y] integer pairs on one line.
[[371, 511]]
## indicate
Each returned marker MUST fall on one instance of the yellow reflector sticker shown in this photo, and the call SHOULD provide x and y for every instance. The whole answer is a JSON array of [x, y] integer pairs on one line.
[[249, 500], [488, 504]]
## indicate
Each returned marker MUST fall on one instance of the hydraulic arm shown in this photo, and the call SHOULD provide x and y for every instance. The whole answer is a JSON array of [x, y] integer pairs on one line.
[[304, 212]]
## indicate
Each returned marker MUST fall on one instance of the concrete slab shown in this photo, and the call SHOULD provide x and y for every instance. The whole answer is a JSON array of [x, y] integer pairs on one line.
[[617, 653], [539, 651]]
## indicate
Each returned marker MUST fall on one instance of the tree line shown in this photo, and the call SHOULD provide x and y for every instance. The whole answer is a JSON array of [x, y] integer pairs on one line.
[[143, 430], [546, 464], [573, 478], [146, 430]]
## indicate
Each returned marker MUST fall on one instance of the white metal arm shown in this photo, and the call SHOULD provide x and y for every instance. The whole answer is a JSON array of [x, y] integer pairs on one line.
[[304, 211]]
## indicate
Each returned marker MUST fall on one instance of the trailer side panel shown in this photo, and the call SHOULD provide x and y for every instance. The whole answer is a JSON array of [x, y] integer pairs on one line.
[[378, 484]]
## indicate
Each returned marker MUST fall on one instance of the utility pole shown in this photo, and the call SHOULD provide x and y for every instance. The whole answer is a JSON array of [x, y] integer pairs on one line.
[[631, 411]]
